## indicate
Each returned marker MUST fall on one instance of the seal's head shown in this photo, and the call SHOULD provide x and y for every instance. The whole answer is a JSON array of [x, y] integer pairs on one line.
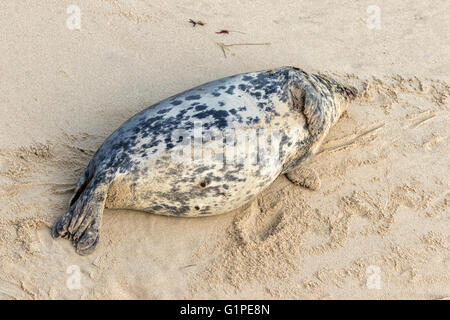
[[344, 94], [321, 99], [348, 93]]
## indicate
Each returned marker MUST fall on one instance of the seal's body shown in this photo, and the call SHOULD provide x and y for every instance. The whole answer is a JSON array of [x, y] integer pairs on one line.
[[205, 151]]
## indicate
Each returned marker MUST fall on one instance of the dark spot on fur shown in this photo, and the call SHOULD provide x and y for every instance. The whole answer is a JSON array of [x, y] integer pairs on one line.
[[193, 97], [230, 89], [163, 111], [201, 107], [220, 118], [242, 87], [176, 102]]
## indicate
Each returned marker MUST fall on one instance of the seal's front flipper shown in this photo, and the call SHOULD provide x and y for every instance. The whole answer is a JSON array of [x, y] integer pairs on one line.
[[81, 223], [305, 177]]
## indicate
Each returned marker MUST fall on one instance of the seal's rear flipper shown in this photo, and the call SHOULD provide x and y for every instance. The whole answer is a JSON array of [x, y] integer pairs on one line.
[[81, 223]]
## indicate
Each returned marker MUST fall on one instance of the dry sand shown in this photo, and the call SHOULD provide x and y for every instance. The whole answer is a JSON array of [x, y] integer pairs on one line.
[[378, 228]]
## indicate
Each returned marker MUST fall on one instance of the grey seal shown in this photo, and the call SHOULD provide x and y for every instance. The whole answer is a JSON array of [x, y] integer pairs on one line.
[[156, 162]]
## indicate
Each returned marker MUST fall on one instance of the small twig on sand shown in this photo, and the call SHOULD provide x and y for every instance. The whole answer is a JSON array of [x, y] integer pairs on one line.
[[225, 31], [188, 266], [224, 46], [194, 23]]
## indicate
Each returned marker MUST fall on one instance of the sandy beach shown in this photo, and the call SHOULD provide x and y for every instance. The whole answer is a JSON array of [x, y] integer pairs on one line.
[[379, 227]]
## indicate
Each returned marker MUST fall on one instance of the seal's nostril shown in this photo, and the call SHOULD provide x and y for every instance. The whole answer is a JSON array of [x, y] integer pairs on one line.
[[197, 208]]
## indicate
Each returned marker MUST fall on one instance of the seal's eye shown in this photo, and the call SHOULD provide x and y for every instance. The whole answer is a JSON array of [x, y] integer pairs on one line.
[[197, 208]]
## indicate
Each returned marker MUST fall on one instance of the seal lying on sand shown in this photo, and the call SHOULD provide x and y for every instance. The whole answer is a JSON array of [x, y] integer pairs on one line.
[[204, 151]]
